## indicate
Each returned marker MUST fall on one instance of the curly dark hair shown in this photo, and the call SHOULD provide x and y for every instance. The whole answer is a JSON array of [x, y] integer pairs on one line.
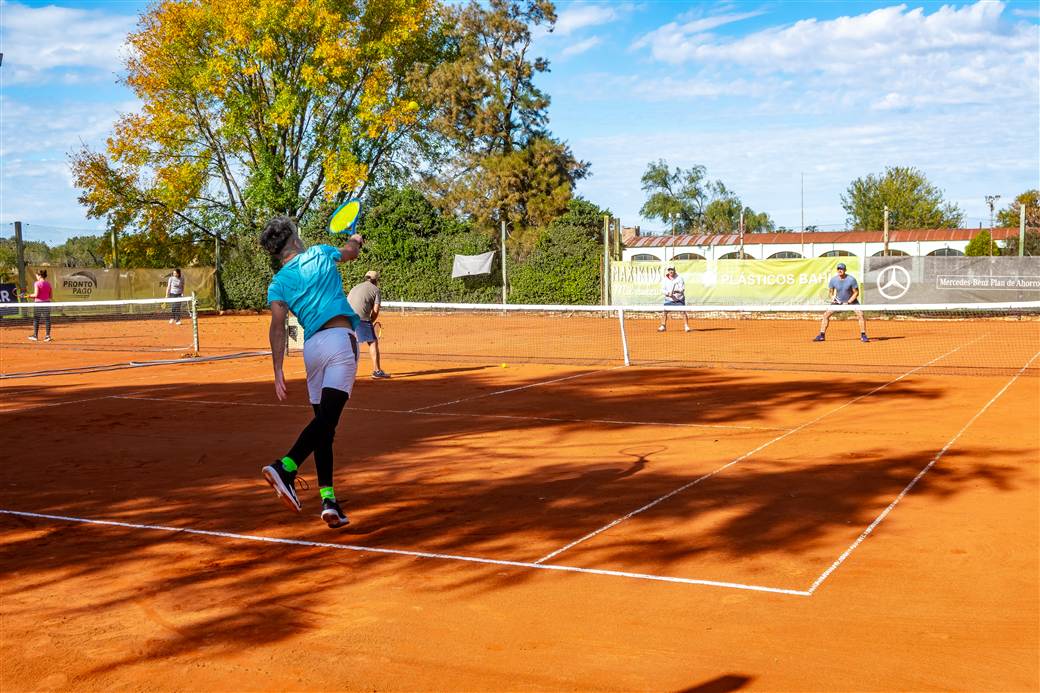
[[276, 234]]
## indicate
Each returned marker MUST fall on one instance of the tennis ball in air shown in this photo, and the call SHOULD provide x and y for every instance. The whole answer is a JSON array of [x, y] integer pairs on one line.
[[504, 366]]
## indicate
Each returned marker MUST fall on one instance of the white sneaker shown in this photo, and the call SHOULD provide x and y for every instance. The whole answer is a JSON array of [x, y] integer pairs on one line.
[[171, 321], [661, 328], [687, 329], [178, 322], [47, 338], [32, 338]]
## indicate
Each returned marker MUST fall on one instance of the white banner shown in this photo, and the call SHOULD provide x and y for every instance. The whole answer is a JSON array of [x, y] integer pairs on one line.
[[468, 265]]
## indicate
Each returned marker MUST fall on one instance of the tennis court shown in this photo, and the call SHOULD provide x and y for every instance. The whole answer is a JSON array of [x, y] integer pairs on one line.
[[738, 509]]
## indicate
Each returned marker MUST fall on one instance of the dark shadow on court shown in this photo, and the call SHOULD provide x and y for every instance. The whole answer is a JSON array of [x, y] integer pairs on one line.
[[720, 684], [496, 480]]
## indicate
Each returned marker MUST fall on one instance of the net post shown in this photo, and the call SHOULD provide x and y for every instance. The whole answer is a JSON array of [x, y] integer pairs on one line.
[[195, 323], [624, 337]]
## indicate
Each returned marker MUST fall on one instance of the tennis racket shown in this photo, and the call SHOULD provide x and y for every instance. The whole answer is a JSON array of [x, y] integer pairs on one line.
[[344, 219]]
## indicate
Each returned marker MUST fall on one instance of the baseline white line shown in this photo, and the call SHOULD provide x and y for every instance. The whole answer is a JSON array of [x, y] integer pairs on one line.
[[456, 414], [763, 446], [913, 482], [516, 389], [413, 554]]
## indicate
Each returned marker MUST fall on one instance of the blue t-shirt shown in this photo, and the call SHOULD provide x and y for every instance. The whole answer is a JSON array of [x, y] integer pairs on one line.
[[312, 288], [843, 287]]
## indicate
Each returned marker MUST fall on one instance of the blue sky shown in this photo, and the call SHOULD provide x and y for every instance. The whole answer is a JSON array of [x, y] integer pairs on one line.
[[759, 93]]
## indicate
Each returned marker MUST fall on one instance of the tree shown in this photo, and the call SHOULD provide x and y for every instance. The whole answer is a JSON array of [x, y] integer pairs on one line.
[[980, 245], [1010, 215], [255, 107], [1032, 244], [913, 202], [503, 164], [688, 201], [566, 263], [676, 197]]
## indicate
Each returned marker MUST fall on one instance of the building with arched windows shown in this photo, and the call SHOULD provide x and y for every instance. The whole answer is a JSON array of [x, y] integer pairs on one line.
[[794, 245]]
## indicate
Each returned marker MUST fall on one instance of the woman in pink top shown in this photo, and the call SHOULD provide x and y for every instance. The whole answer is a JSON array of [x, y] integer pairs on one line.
[[41, 294]]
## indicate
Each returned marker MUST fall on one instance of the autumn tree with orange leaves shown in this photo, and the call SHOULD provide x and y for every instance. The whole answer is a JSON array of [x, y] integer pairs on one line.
[[256, 107]]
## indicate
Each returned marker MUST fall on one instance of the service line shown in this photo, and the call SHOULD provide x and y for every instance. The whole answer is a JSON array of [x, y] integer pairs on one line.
[[516, 389], [511, 417], [737, 460]]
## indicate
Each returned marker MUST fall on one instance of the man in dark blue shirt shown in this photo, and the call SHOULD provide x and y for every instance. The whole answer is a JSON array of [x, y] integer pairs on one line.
[[843, 290]]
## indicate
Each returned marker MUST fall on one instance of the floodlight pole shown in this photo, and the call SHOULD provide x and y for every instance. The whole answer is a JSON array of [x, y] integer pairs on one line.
[[742, 233], [991, 200]]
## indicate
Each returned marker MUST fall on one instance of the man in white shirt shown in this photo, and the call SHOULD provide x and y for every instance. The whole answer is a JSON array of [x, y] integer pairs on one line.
[[674, 289]]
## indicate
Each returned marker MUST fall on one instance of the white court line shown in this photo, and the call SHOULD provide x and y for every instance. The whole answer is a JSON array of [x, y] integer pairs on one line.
[[413, 554], [763, 446], [19, 410], [516, 389], [454, 414], [913, 482]]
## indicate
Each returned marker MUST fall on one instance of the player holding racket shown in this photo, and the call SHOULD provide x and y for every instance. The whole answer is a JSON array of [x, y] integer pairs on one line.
[[309, 285], [365, 300], [843, 289]]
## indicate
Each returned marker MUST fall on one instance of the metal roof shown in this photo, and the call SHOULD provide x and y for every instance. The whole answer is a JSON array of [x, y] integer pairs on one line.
[[902, 235]]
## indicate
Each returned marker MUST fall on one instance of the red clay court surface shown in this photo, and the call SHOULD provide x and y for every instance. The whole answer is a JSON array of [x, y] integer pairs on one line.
[[538, 527]]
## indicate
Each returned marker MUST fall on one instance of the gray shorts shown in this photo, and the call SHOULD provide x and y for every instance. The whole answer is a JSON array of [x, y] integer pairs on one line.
[[365, 332]]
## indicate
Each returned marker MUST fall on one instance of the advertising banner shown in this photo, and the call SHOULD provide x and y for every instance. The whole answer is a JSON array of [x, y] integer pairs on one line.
[[946, 279], [7, 293], [98, 284], [734, 282]]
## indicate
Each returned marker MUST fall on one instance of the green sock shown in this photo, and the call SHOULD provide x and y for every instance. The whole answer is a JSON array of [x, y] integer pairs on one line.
[[288, 465], [327, 493]]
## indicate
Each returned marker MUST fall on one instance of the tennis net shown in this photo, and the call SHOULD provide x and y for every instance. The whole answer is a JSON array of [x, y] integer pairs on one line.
[[975, 339], [87, 335]]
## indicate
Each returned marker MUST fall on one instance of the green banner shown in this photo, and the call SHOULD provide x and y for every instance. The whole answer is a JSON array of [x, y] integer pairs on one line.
[[733, 282], [95, 284]]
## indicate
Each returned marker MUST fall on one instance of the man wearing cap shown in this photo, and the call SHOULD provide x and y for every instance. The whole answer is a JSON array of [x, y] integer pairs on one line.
[[843, 290], [364, 299], [674, 289]]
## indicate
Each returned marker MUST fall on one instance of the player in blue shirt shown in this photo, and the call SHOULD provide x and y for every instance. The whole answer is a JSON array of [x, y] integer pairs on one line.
[[844, 290], [309, 285]]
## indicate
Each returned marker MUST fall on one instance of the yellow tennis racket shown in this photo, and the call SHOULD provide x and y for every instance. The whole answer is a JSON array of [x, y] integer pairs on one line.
[[345, 217]]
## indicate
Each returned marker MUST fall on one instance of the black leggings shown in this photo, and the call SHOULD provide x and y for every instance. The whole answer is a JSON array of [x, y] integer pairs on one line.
[[318, 435]]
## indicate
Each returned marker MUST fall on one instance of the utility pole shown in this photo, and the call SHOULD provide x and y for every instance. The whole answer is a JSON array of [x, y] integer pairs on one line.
[[741, 232], [885, 234], [505, 284], [991, 200], [606, 260], [1021, 229], [115, 262], [216, 272], [801, 236], [19, 249]]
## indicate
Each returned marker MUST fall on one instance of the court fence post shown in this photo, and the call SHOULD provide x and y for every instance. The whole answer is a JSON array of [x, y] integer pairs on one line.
[[195, 323], [624, 337]]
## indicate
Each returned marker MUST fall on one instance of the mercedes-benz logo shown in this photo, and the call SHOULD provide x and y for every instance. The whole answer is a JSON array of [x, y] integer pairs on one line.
[[893, 282]]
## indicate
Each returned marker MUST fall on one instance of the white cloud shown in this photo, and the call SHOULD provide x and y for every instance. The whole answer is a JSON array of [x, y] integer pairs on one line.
[[581, 16], [960, 152], [581, 47], [890, 58], [676, 32], [35, 140], [46, 44]]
